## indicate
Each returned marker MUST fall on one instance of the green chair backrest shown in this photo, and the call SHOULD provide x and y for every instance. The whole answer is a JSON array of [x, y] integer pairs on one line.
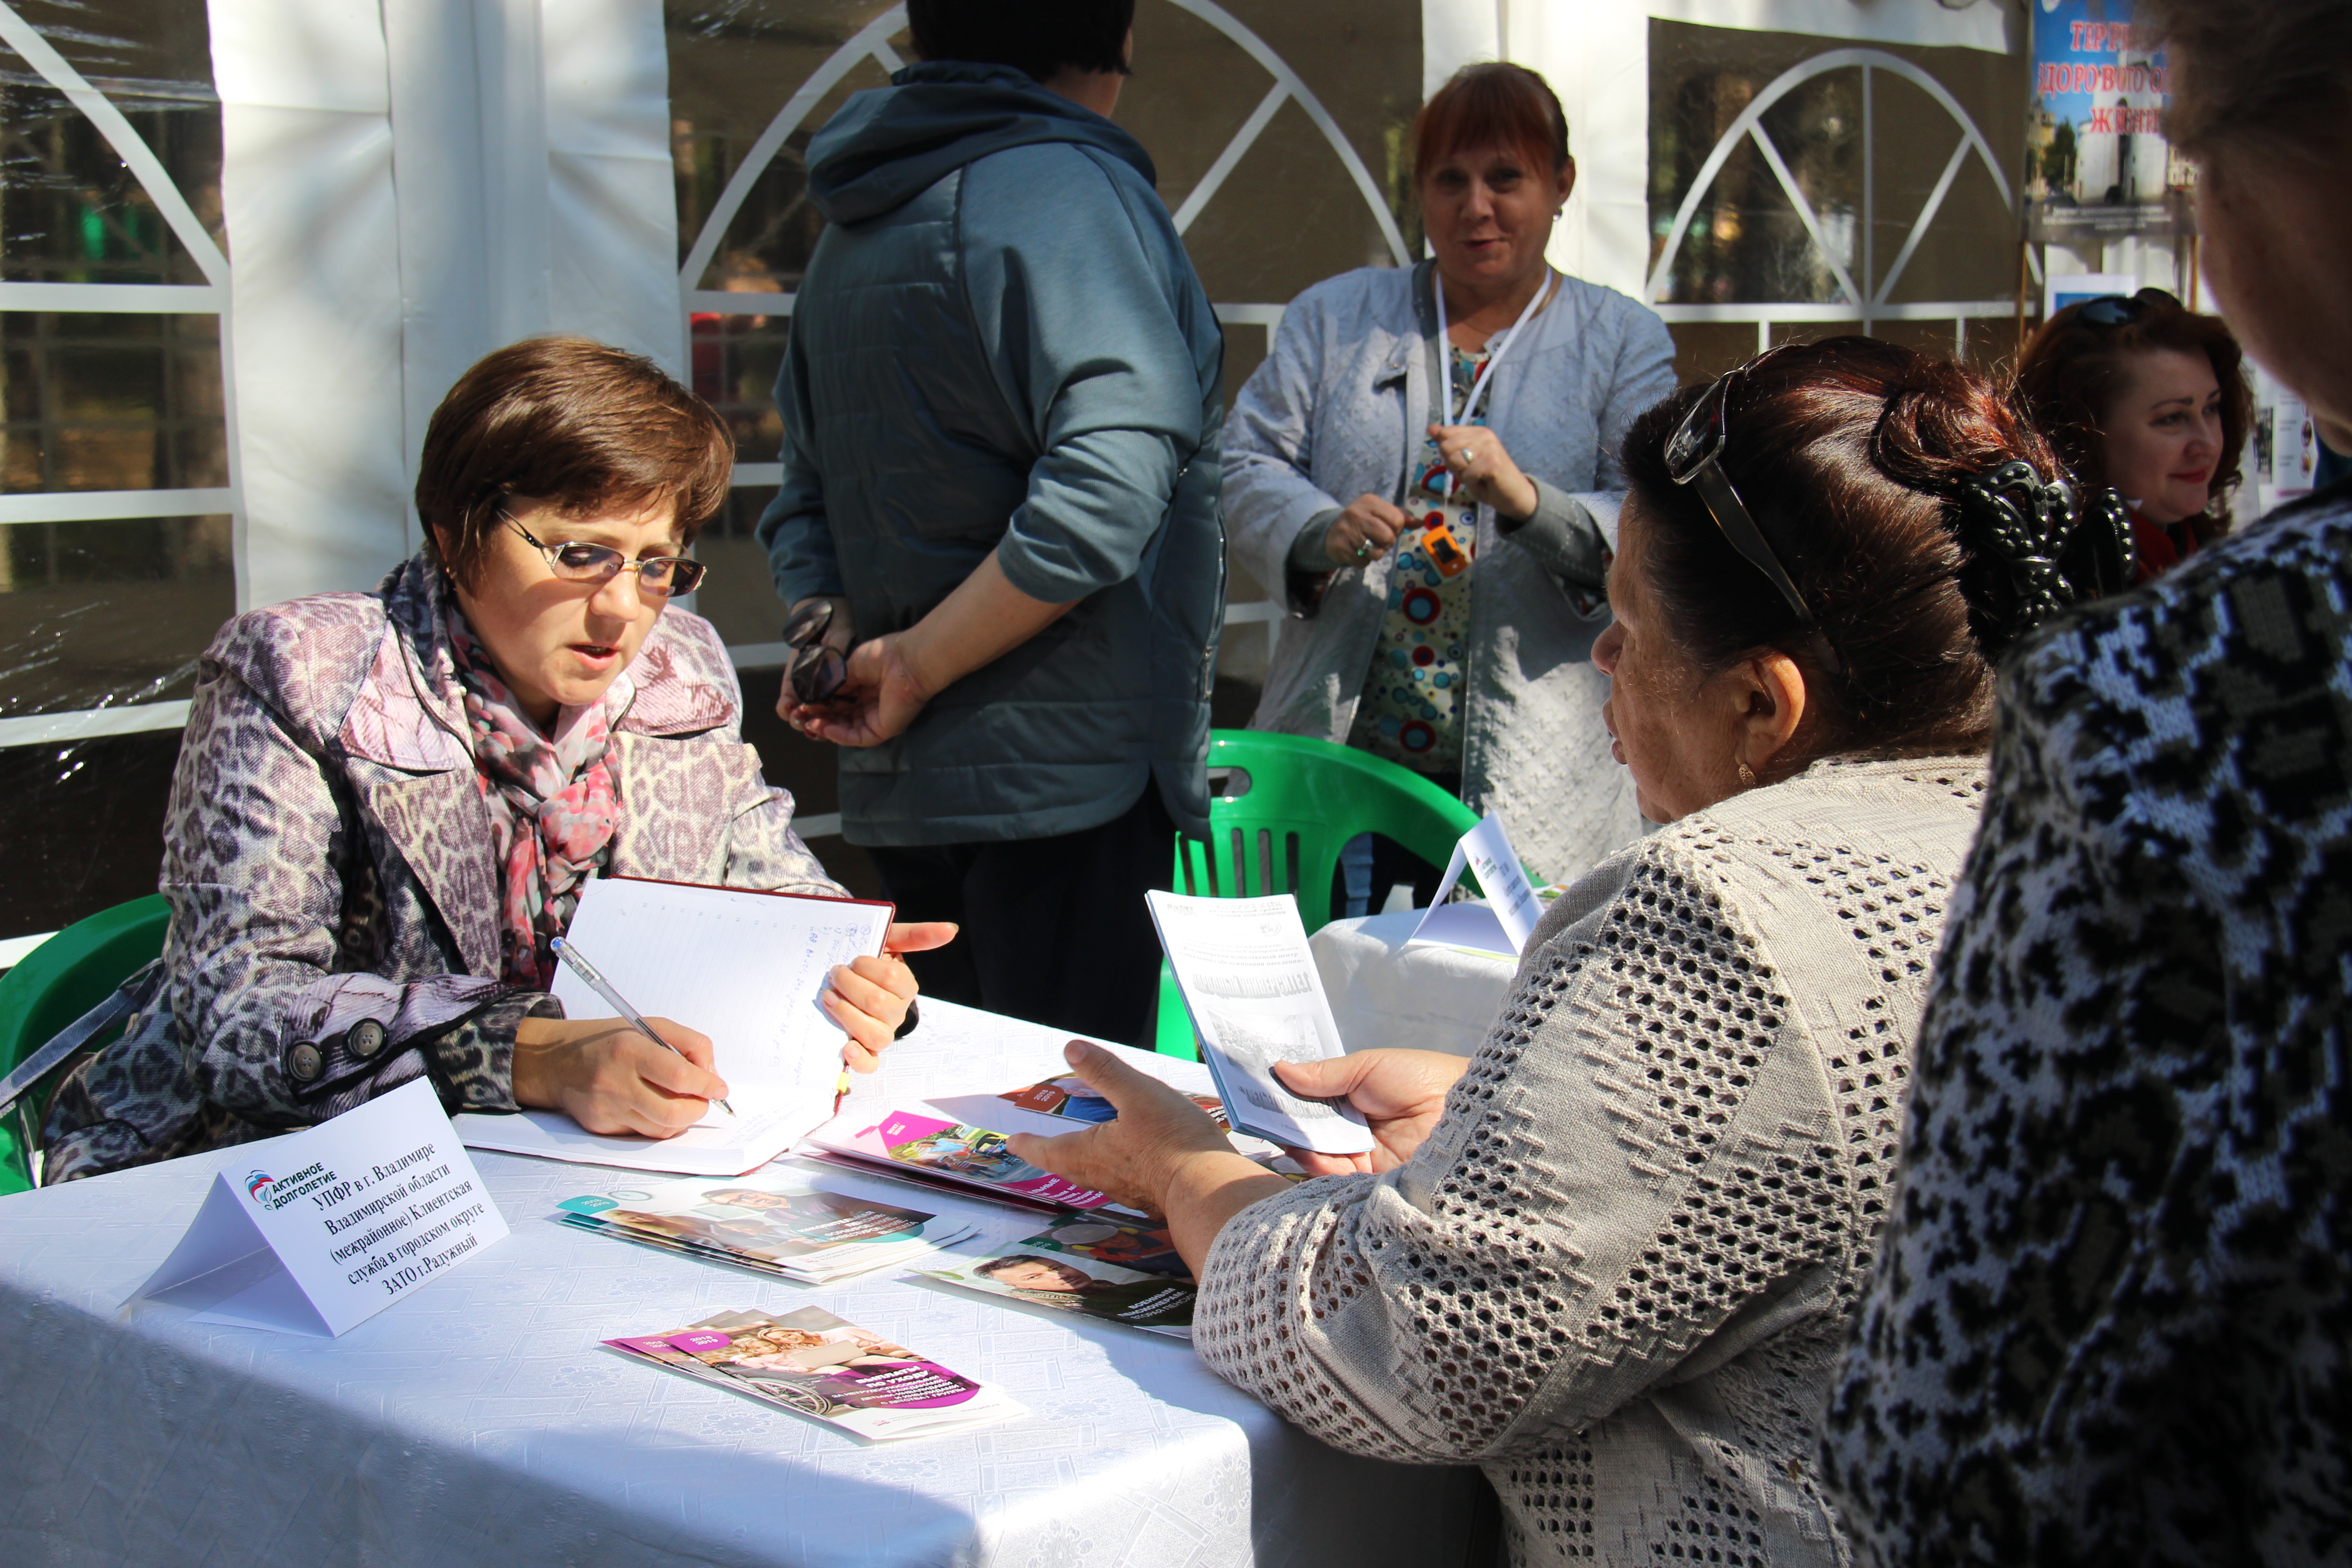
[[59, 981], [1281, 807]]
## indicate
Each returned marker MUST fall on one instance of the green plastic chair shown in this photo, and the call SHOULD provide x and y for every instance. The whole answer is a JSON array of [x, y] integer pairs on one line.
[[62, 979], [1281, 807]]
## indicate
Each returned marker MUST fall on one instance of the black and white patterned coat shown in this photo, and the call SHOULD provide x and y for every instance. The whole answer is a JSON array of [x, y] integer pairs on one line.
[[329, 862], [2113, 1317]]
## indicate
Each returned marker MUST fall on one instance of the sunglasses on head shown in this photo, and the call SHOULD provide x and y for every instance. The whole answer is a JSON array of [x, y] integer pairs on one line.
[[817, 670], [2122, 310], [1694, 457]]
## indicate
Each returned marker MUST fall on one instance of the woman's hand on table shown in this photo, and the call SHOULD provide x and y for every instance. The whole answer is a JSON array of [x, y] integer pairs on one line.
[[1482, 468], [1400, 1093], [1363, 530], [604, 1075], [1163, 1155], [869, 997]]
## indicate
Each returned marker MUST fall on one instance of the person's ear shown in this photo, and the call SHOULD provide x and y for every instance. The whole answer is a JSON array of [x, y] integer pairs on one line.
[[1773, 688], [1566, 180]]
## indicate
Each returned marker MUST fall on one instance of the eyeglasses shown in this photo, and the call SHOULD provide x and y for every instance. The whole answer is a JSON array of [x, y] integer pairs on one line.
[[657, 575], [2122, 310], [817, 670], [1694, 457]]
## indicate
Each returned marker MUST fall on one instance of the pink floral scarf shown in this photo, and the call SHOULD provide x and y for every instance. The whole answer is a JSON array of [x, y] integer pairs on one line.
[[552, 802]]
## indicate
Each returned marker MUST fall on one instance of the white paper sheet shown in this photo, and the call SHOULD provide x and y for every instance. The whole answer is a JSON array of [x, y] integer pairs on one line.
[[1250, 982], [745, 969], [1508, 917], [334, 1224]]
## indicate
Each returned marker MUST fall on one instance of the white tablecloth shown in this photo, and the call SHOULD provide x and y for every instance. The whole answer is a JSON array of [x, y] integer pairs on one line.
[[1387, 995], [475, 1422]]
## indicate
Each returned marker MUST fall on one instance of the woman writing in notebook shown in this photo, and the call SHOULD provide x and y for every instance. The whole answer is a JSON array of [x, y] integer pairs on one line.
[[386, 804]]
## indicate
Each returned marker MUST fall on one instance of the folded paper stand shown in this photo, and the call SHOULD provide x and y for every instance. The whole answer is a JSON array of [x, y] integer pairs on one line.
[[317, 1233]]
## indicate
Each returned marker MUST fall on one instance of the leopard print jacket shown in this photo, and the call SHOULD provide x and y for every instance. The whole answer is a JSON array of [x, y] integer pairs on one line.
[[335, 894], [2112, 1322]]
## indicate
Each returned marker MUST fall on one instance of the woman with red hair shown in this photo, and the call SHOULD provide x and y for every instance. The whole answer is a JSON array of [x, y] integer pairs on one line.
[[2145, 395], [1426, 463]]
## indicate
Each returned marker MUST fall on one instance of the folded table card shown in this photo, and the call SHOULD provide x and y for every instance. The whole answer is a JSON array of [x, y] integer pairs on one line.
[[320, 1232], [1505, 921]]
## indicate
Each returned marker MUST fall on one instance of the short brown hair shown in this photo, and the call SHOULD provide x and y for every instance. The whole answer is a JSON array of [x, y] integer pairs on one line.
[[1851, 455], [1496, 104], [564, 419], [2073, 370], [2273, 71]]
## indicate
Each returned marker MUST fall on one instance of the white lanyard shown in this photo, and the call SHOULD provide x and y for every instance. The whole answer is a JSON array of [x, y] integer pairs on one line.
[[1494, 356]]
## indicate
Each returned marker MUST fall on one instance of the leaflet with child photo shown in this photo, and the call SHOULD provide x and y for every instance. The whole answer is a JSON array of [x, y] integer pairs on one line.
[[1042, 1274], [1250, 982], [776, 1222], [817, 1365]]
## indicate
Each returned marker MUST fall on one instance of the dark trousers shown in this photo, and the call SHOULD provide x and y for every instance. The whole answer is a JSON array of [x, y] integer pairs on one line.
[[1055, 929]]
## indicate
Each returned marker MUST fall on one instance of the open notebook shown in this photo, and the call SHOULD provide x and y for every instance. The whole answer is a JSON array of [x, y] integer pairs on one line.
[[746, 969]]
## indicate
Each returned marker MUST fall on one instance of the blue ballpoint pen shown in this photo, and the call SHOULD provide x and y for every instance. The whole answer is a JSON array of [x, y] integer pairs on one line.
[[580, 966]]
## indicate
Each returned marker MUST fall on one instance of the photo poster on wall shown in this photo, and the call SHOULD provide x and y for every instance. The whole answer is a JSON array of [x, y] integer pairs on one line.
[[2097, 164]]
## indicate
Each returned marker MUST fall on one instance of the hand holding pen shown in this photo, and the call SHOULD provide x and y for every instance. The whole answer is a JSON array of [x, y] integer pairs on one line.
[[579, 965]]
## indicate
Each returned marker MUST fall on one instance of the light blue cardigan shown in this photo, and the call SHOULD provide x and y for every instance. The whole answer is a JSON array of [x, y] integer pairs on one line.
[[1334, 412]]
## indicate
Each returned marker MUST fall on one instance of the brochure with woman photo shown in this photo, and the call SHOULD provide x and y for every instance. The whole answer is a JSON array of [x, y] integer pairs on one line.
[[1042, 1274], [820, 1365], [773, 1221], [914, 1144]]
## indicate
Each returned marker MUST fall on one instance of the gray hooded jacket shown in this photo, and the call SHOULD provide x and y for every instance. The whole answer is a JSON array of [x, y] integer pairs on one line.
[[1001, 346]]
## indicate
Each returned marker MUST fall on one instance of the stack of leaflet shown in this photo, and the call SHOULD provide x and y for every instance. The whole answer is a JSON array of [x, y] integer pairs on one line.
[[773, 1223], [816, 1364]]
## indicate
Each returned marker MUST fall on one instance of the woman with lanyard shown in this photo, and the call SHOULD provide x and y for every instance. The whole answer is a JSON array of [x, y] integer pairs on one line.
[[1427, 465]]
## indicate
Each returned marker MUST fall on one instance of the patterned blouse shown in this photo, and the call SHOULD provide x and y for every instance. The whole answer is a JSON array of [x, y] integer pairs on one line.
[[1411, 711]]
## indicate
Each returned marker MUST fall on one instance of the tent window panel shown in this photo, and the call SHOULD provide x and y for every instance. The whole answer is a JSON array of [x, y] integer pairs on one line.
[[735, 361], [109, 613], [95, 402], [70, 212], [738, 596], [732, 66]]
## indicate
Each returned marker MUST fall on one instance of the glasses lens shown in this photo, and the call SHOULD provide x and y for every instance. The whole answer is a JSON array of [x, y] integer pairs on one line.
[[2110, 311], [672, 574], [580, 562], [818, 673], [808, 623]]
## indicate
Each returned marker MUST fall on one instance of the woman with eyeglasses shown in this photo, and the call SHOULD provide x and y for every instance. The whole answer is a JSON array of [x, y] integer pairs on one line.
[[2141, 393], [1611, 1258], [387, 803]]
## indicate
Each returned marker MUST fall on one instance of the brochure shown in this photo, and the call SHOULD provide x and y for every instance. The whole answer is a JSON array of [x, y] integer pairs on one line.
[[1142, 1245], [1250, 982], [1045, 1275], [914, 1144], [817, 1365], [773, 1221], [1070, 1098]]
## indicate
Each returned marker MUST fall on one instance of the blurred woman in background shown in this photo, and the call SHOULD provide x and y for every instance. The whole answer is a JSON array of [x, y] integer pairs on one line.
[[2150, 397], [1426, 466]]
